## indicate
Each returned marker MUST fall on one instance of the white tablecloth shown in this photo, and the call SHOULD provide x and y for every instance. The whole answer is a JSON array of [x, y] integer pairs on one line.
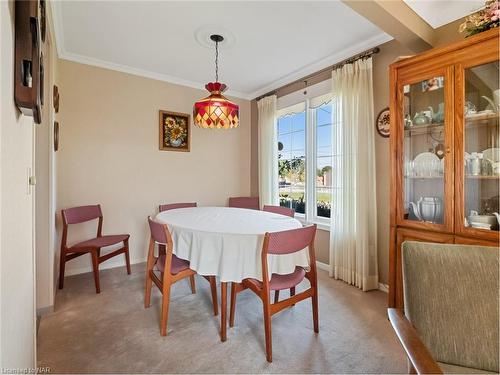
[[227, 242]]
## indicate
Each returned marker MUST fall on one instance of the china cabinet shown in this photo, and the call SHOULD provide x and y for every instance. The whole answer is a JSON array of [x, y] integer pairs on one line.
[[445, 151]]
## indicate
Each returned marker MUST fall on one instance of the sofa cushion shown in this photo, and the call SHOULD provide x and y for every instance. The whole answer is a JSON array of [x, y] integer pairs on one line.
[[451, 298]]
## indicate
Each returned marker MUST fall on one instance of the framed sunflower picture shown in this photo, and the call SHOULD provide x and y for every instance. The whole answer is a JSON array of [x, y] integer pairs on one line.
[[175, 134]]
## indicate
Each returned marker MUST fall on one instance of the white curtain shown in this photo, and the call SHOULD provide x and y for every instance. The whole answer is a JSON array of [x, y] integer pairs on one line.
[[268, 151], [353, 234]]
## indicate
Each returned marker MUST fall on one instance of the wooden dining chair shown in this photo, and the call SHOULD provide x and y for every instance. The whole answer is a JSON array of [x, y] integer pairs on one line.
[[173, 206], [171, 269], [245, 202], [81, 214], [282, 243], [279, 210], [161, 249]]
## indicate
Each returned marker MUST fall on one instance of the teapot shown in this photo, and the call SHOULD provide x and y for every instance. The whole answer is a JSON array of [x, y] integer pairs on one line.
[[421, 118], [439, 115], [428, 209]]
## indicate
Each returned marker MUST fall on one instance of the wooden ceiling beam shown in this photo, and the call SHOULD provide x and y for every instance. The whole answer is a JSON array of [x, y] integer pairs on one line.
[[398, 20]]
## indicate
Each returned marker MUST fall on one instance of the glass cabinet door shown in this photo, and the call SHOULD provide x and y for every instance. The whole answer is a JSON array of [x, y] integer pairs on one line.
[[481, 156], [425, 151]]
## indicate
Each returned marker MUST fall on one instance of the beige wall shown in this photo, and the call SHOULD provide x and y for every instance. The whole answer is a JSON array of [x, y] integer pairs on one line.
[[388, 53], [109, 153], [17, 268]]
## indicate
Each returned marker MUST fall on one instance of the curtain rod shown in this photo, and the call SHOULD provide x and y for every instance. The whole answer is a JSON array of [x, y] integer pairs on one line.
[[363, 55]]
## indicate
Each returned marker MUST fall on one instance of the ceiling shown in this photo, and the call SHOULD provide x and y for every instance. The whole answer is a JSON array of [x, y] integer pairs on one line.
[[269, 43], [441, 12]]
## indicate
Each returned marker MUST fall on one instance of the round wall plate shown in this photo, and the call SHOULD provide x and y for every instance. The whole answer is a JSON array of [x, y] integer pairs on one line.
[[383, 123]]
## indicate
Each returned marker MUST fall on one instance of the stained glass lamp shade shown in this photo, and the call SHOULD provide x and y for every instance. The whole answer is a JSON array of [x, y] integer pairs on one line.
[[216, 111]]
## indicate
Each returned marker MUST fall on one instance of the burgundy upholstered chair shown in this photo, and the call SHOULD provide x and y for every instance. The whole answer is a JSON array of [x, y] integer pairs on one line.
[[77, 215], [279, 210], [245, 202], [173, 206], [171, 269], [281, 243]]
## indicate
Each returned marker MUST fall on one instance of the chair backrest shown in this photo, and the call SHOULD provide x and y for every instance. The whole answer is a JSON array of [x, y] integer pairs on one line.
[[451, 298], [81, 214], [245, 202], [289, 241], [172, 206], [159, 232], [279, 210]]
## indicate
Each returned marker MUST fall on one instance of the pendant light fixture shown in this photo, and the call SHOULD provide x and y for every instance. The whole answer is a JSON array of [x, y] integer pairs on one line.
[[216, 111]]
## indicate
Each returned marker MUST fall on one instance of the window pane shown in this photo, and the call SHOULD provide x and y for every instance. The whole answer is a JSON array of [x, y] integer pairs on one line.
[[292, 161], [323, 119]]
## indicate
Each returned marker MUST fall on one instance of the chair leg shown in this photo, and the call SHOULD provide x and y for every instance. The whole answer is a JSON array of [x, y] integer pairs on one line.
[[164, 309], [276, 296], [292, 293], [213, 288], [267, 328], [95, 266], [232, 309], [62, 266], [127, 257], [149, 285], [315, 310], [192, 284]]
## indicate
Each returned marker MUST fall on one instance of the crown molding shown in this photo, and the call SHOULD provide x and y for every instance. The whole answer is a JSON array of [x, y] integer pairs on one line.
[[293, 76], [143, 73], [323, 63]]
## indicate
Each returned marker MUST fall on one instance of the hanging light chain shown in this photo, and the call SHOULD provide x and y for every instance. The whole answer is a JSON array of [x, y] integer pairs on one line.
[[216, 61]]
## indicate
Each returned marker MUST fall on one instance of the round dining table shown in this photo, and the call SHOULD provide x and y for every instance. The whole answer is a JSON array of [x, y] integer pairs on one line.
[[227, 242]]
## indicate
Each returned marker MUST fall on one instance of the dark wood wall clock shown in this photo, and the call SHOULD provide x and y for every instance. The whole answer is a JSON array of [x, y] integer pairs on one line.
[[27, 60]]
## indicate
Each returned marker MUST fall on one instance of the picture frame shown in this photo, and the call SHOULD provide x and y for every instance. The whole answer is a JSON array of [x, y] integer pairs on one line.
[[383, 123], [55, 98], [56, 136], [174, 131]]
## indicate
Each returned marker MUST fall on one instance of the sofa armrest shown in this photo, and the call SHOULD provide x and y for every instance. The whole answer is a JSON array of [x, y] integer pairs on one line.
[[419, 356]]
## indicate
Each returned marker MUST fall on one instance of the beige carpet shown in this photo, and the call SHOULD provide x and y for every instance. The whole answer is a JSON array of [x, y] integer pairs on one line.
[[113, 333]]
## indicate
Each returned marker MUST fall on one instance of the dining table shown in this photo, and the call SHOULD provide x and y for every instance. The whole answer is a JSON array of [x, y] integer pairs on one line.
[[226, 242]]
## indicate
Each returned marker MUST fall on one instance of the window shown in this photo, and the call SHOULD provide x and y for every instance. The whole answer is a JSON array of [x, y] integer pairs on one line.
[[292, 161], [305, 145], [323, 154]]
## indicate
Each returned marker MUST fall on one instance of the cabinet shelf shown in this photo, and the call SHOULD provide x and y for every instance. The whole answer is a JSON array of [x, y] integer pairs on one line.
[[480, 177], [423, 129], [481, 118], [424, 177]]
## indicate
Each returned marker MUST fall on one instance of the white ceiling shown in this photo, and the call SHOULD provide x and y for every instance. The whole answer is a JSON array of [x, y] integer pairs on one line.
[[441, 12], [272, 43]]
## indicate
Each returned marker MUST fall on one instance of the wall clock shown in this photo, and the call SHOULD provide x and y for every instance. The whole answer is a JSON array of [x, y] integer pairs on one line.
[[383, 123]]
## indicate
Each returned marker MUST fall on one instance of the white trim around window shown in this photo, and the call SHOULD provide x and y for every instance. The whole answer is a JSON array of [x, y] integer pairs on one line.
[[309, 105]]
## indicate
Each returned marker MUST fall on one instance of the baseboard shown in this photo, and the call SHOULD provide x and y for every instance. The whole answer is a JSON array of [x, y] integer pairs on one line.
[[323, 266], [103, 266], [45, 310], [383, 287]]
